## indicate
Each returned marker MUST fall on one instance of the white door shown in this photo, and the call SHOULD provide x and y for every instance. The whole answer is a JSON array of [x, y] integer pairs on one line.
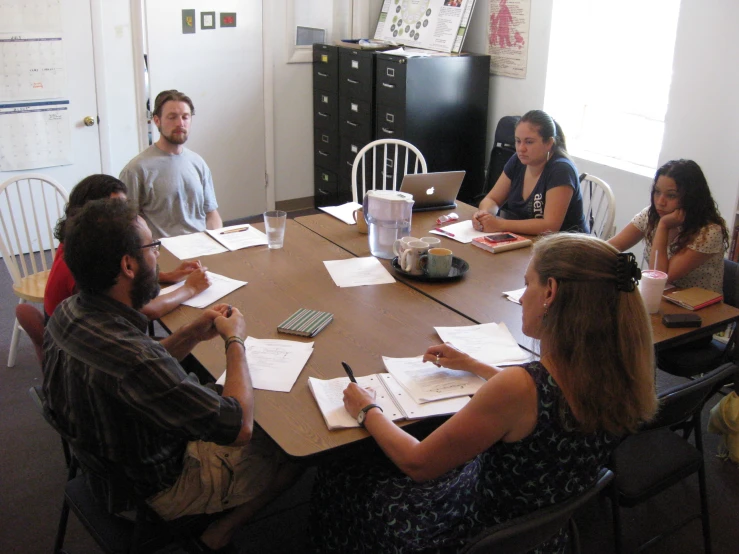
[[80, 91], [221, 70]]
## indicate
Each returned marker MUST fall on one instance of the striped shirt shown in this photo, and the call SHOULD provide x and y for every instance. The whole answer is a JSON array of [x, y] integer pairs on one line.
[[118, 394]]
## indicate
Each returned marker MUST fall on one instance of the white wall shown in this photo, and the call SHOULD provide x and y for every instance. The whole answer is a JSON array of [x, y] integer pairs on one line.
[[702, 122]]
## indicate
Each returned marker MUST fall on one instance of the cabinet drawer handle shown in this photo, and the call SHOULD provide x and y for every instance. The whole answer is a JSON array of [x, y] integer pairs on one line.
[[322, 153], [352, 123], [388, 131], [321, 191], [350, 164], [353, 82], [322, 74], [321, 114], [388, 85]]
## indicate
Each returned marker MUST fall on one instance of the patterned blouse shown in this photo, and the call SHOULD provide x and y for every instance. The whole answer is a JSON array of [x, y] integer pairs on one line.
[[709, 240]]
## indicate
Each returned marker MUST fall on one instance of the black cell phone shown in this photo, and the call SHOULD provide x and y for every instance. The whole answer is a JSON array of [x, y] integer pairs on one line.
[[681, 320], [500, 237]]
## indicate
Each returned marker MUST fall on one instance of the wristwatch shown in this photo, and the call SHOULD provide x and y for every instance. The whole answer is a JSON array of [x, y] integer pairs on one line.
[[363, 413]]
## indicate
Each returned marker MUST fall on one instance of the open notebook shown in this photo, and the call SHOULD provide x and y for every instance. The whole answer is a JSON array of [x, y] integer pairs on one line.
[[395, 402]]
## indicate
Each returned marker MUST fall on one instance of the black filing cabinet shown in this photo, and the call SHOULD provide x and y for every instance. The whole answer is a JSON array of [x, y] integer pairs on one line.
[[437, 103]]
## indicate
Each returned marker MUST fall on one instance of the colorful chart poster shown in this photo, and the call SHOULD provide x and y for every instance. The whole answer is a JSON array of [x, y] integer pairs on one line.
[[35, 135], [438, 25], [508, 37]]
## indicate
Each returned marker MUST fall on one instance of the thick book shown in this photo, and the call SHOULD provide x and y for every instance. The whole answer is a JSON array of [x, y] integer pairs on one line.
[[395, 402], [693, 298], [305, 323], [501, 242]]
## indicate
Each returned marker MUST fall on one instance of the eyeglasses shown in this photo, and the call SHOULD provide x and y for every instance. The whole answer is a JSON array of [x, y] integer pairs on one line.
[[154, 245]]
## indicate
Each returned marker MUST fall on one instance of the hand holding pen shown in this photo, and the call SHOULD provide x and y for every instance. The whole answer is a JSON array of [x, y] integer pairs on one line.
[[356, 397]]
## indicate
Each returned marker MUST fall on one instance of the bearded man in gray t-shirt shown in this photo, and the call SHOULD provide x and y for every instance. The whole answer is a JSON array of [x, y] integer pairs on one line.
[[171, 185]]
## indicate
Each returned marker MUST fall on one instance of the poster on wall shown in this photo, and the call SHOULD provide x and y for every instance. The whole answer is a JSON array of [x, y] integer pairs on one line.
[[34, 135], [439, 25], [508, 37], [32, 67]]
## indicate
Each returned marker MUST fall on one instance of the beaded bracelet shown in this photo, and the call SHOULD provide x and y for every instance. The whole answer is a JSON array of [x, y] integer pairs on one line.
[[233, 339]]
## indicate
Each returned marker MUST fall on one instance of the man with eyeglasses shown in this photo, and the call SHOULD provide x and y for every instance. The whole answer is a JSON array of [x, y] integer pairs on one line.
[[172, 185], [123, 397]]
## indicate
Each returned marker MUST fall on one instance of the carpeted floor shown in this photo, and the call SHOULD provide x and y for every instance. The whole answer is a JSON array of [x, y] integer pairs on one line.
[[32, 475]]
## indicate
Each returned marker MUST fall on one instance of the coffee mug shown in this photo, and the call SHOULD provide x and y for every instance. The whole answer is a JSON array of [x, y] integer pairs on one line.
[[433, 242], [358, 216], [401, 244], [410, 258], [437, 263]]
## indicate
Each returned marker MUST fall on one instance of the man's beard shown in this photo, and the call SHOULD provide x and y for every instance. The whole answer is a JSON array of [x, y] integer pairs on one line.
[[145, 287], [174, 139]]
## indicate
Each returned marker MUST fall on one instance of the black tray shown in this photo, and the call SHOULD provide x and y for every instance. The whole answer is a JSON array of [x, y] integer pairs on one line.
[[459, 268]]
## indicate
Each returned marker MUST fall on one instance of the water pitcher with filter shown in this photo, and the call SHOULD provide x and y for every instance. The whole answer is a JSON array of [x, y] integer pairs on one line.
[[388, 214]]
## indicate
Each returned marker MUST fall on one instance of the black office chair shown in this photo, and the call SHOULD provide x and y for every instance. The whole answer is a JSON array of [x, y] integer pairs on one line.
[[656, 458], [689, 360], [504, 146], [101, 491], [525, 533]]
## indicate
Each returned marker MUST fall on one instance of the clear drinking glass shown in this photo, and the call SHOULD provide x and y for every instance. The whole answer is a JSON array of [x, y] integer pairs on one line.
[[274, 224]]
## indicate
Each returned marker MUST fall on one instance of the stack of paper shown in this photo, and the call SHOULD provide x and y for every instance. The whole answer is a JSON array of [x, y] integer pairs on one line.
[[426, 382], [490, 343], [461, 232], [515, 295], [274, 364], [216, 241]]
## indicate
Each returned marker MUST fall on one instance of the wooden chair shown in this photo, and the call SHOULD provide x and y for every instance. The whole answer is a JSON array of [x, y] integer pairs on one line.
[[657, 457], [381, 171], [524, 534], [599, 206], [30, 206]]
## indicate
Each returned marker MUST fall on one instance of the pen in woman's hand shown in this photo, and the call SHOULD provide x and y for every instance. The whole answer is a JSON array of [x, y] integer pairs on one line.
[[349, 372]]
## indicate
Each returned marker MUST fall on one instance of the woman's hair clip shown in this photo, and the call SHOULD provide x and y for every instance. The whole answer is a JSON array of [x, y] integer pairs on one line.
[[627, 272]]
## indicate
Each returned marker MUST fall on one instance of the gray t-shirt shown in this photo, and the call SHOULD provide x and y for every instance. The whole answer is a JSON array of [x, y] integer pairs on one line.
[[173, 192]]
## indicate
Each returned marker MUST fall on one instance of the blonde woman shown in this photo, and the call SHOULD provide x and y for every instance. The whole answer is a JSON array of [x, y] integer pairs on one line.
[[532, 436]]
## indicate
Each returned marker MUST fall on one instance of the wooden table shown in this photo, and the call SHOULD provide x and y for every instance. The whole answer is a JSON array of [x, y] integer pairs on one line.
[[478, 295], [369, 321]]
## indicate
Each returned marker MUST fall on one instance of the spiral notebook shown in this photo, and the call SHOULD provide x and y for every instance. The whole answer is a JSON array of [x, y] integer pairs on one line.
[[305, 323]]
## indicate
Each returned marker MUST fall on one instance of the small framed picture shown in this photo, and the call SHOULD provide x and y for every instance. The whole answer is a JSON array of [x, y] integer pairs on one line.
[[228, 19], [207, 20]]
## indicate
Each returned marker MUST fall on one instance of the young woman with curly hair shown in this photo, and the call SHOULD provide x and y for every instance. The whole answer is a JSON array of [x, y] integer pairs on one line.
[[682, 224]]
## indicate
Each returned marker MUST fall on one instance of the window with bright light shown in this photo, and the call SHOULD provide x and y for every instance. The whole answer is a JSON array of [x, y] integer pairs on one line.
[[608, 78]]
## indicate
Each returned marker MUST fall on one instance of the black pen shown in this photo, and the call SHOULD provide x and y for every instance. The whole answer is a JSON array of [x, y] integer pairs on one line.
[[349, 372], [228, 312]]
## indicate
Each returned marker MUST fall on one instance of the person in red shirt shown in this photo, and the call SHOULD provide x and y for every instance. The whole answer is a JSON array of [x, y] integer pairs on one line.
[[61, 283]]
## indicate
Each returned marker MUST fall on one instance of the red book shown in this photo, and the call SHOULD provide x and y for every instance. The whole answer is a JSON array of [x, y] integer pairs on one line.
[[500, 242]]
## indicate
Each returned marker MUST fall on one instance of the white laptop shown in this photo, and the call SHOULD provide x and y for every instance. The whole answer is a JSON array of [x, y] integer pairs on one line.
[[433, 191]]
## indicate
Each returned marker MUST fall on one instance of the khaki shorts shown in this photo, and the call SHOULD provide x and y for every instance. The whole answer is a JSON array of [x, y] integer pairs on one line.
[[215, 478]]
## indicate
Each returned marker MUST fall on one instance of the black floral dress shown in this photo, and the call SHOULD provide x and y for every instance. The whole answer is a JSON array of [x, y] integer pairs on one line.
[[368, 505]]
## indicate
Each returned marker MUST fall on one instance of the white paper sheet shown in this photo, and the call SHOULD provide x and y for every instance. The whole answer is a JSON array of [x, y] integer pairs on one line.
[[413, 409], [491, 343], [274, 364], [237, 237], [425, 382], [515, 295], [356, 272], [220, 286], [194, 245], [461, 232], [345, 212]]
